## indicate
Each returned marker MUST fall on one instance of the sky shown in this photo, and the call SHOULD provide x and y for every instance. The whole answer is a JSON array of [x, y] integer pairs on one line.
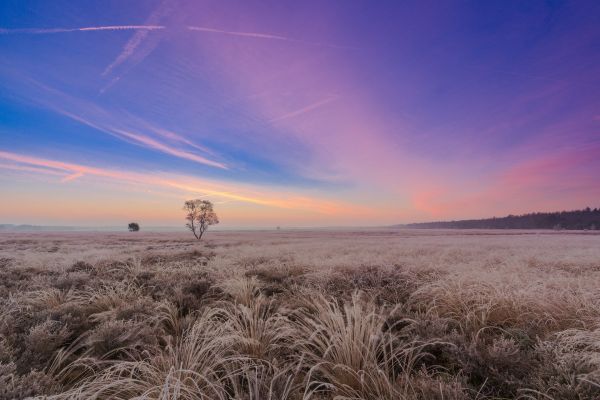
[[297, 113]]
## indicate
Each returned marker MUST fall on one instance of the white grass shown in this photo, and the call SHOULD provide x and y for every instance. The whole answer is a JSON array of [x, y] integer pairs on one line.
[[372, 314]]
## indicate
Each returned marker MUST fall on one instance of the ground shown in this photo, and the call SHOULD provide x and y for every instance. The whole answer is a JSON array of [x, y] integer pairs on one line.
[[348, 314]]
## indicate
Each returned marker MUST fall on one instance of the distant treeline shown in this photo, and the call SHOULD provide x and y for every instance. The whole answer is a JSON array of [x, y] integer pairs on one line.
[[576, 220]]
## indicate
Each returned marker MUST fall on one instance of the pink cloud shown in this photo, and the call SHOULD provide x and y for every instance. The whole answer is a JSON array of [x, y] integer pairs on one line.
[[543, 183], [72, 177], [262, 196], [25, 168]]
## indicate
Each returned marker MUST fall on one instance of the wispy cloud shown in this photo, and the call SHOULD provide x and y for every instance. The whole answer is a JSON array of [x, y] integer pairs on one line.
[[245, 34], [178, 138], [259, 35], [134, 44], [41, 31], [306, 109], [128, 50], [153, 144], [169, 135], [187, 185], [124, 126], [110, 84], [71, 177], [146, 141], [135, 41], [25, 168]]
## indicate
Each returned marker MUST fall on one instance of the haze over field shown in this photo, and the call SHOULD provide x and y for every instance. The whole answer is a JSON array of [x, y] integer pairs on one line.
[[295, 113]]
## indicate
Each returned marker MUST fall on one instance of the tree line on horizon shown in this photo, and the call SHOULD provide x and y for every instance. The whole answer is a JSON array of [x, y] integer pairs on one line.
[[586, 219]]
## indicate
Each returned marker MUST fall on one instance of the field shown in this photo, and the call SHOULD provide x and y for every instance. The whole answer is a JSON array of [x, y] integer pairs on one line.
[[364, 314]]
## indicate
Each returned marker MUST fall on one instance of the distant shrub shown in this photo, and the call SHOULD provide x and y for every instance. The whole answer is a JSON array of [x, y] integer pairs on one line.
[[133, 227]]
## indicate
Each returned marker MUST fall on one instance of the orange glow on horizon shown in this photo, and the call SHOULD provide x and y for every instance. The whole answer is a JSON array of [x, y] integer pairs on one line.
[[234, 196]]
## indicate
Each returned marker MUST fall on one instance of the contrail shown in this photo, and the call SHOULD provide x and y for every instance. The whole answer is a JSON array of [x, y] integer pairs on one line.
[[134, 42], [305, 109], [138, 39], [236, 33], [123, 27], [41, 31], [259, 35]]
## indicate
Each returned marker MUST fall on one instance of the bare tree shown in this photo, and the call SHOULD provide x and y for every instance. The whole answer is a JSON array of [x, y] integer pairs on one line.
[[200, 216]]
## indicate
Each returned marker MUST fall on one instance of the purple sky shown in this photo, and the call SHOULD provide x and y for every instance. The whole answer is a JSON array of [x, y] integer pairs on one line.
[[298, 113]]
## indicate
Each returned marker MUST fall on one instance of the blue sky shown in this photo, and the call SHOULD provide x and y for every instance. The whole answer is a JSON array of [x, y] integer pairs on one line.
[[297, 113]]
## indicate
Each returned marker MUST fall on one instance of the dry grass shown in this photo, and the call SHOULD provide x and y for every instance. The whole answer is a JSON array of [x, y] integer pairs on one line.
[[370, 314]]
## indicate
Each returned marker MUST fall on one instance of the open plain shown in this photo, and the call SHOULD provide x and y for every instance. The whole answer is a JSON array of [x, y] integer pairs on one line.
[[300, 314]]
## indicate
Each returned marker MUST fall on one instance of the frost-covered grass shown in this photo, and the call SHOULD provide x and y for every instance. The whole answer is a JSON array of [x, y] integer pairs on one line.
[[354, 314]]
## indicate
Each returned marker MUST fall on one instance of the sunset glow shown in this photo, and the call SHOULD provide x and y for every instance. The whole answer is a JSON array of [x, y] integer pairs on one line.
[[297, 113]]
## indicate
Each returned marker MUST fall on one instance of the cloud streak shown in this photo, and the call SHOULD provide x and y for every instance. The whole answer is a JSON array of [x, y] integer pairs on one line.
[[25, 168], [137, 45], [143, 30], [123, 126], [42, 31], [258, 196], [259, 35], [153, 144], [170, 135], [128, 50], [178, 138], [243, 34], [71, 177], [306, 109], [146, 141]]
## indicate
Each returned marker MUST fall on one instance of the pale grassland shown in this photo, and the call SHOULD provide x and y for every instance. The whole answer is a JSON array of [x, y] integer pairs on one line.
[[354, 314]]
